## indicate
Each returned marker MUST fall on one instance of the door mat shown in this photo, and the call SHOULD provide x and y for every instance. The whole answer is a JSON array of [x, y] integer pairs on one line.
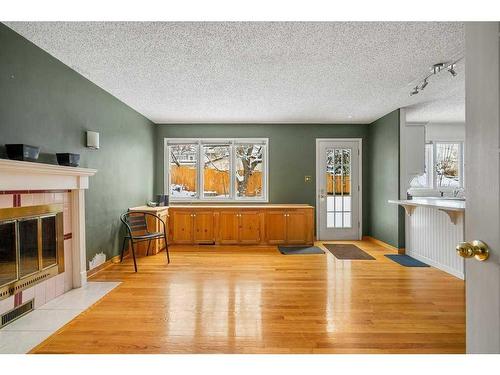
[[406, 260], [296, 250], [347, 252]]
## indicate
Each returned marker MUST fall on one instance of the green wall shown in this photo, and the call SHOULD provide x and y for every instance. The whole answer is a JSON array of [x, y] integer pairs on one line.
[[385, 220], [43, 102], [292, 153]]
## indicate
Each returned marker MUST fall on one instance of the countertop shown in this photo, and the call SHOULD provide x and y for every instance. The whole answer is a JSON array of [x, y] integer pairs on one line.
[[239, 205], [149, 209], [219, 205], [443, 204]]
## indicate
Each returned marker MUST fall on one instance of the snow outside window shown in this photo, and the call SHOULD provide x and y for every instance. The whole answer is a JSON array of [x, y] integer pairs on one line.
[[216, 169]]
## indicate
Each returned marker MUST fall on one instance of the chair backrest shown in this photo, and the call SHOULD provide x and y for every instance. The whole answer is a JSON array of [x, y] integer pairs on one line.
[[135, 221]]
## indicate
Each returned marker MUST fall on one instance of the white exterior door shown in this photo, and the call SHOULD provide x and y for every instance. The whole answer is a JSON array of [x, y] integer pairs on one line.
[[482, 216], [338, 189]]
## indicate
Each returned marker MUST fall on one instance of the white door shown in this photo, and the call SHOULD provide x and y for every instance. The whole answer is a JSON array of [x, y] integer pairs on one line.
[[338, 189], [482, 215]]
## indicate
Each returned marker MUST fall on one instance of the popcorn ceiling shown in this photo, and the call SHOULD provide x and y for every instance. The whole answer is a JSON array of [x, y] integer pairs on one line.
[[263, 72]]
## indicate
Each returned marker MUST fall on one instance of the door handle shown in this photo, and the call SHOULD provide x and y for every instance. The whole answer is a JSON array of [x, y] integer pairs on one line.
[[477, 249]]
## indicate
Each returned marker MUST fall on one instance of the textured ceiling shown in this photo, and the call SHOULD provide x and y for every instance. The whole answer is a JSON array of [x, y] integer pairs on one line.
[[301, 72]]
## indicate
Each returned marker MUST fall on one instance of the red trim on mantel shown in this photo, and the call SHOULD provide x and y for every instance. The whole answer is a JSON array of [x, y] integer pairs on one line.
[[33, 191], [18, 298], [16, 200], [68, 236]]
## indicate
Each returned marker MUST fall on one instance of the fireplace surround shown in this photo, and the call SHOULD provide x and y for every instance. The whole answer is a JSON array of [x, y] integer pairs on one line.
[[27, 186], [31, 246]]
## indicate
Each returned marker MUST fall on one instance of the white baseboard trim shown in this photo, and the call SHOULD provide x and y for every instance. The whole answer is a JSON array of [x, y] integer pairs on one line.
[[437, 265]]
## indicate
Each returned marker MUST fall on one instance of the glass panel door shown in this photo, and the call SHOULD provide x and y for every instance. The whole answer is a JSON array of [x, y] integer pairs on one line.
[[338, 189]]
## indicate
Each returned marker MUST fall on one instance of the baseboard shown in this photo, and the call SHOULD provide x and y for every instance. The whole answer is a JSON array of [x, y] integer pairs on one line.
[[105, 265], [383, 244]]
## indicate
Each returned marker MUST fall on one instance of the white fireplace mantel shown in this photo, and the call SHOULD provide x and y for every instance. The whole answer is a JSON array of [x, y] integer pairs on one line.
[[21, 176]]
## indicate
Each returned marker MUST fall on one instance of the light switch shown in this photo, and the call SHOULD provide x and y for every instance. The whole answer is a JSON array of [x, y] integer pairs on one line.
[[307, 178]]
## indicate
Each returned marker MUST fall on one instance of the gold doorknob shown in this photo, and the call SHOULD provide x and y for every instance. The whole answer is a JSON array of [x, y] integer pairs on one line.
[[477, 249]]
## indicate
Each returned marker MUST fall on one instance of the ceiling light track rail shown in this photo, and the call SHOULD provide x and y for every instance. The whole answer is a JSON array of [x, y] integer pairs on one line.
[[436, 69]]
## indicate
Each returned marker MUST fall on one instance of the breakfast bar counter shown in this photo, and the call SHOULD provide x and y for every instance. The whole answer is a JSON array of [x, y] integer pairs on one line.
[[434, 227]]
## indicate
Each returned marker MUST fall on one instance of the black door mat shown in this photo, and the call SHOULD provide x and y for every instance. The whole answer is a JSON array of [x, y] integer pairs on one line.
[[406, 260], [297, 250], [347, 252]]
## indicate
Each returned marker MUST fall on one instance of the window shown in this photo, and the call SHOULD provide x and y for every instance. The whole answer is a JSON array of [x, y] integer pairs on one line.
[[443, 166], [338, 169], [447, 165], [215, 169], [182, 170]]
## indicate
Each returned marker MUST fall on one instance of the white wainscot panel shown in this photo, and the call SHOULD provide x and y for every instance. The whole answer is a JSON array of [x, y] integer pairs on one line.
[[432, 238]]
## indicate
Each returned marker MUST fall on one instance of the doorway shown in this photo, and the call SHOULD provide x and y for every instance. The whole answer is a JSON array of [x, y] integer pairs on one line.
[[338, 189]]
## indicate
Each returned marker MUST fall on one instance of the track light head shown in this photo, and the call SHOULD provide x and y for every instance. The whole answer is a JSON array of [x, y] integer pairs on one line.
[[424, 84], [436, 68], [415, 91], [452, 70]]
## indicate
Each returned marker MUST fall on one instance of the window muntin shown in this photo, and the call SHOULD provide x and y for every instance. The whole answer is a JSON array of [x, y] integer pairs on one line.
[[219, 169]]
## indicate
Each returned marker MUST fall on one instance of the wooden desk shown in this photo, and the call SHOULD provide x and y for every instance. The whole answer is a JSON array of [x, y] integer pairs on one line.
[[153, 226]]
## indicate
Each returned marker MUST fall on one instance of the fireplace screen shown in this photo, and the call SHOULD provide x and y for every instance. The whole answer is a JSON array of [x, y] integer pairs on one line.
[[31, 246], [28, 247], [8, 270]]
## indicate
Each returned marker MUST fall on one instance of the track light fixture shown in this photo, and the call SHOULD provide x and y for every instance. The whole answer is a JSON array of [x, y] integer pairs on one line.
[[452, 70], [415, 91], [435, 69]]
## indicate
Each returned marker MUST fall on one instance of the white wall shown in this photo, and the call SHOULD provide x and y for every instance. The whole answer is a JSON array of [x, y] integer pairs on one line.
[[433, 132], [444, 132]]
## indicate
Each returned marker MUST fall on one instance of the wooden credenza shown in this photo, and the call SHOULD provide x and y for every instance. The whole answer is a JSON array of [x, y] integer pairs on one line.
[[229, 224]]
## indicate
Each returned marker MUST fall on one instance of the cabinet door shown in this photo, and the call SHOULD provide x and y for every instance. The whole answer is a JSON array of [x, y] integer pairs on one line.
[[249, 227], [203, 227], [297, 227], [228, 227], [182, 226], [276, 226]]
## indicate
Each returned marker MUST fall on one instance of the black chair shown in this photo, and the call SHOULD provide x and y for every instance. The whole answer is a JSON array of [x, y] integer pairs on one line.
[[137, 231]]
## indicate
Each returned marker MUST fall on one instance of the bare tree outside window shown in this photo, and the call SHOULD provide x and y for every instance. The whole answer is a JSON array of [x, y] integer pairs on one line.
[[222, 169], [447, 165], [248, 164]]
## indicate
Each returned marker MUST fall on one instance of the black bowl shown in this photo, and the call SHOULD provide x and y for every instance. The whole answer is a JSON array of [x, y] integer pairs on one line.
[[68, 160], [22, 152]]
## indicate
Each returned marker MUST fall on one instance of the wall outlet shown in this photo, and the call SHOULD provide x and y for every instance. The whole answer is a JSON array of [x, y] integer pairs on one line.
[[98, 259]]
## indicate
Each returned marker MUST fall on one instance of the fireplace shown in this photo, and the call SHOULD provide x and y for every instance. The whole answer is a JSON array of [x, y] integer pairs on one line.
[[31, 246]]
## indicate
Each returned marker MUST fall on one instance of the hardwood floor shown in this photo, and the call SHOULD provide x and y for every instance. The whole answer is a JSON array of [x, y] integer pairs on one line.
[[254, 300]]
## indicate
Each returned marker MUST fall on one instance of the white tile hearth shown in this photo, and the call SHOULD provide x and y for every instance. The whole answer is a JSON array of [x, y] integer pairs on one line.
[[25, 333]]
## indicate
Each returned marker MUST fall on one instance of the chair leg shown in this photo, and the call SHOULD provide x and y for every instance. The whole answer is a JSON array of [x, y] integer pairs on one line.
[[123, 248], [149, 245], [166, 248], [133, 254]]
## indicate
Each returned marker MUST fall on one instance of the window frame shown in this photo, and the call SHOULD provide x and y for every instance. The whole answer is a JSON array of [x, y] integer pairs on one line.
[[200, 142]]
